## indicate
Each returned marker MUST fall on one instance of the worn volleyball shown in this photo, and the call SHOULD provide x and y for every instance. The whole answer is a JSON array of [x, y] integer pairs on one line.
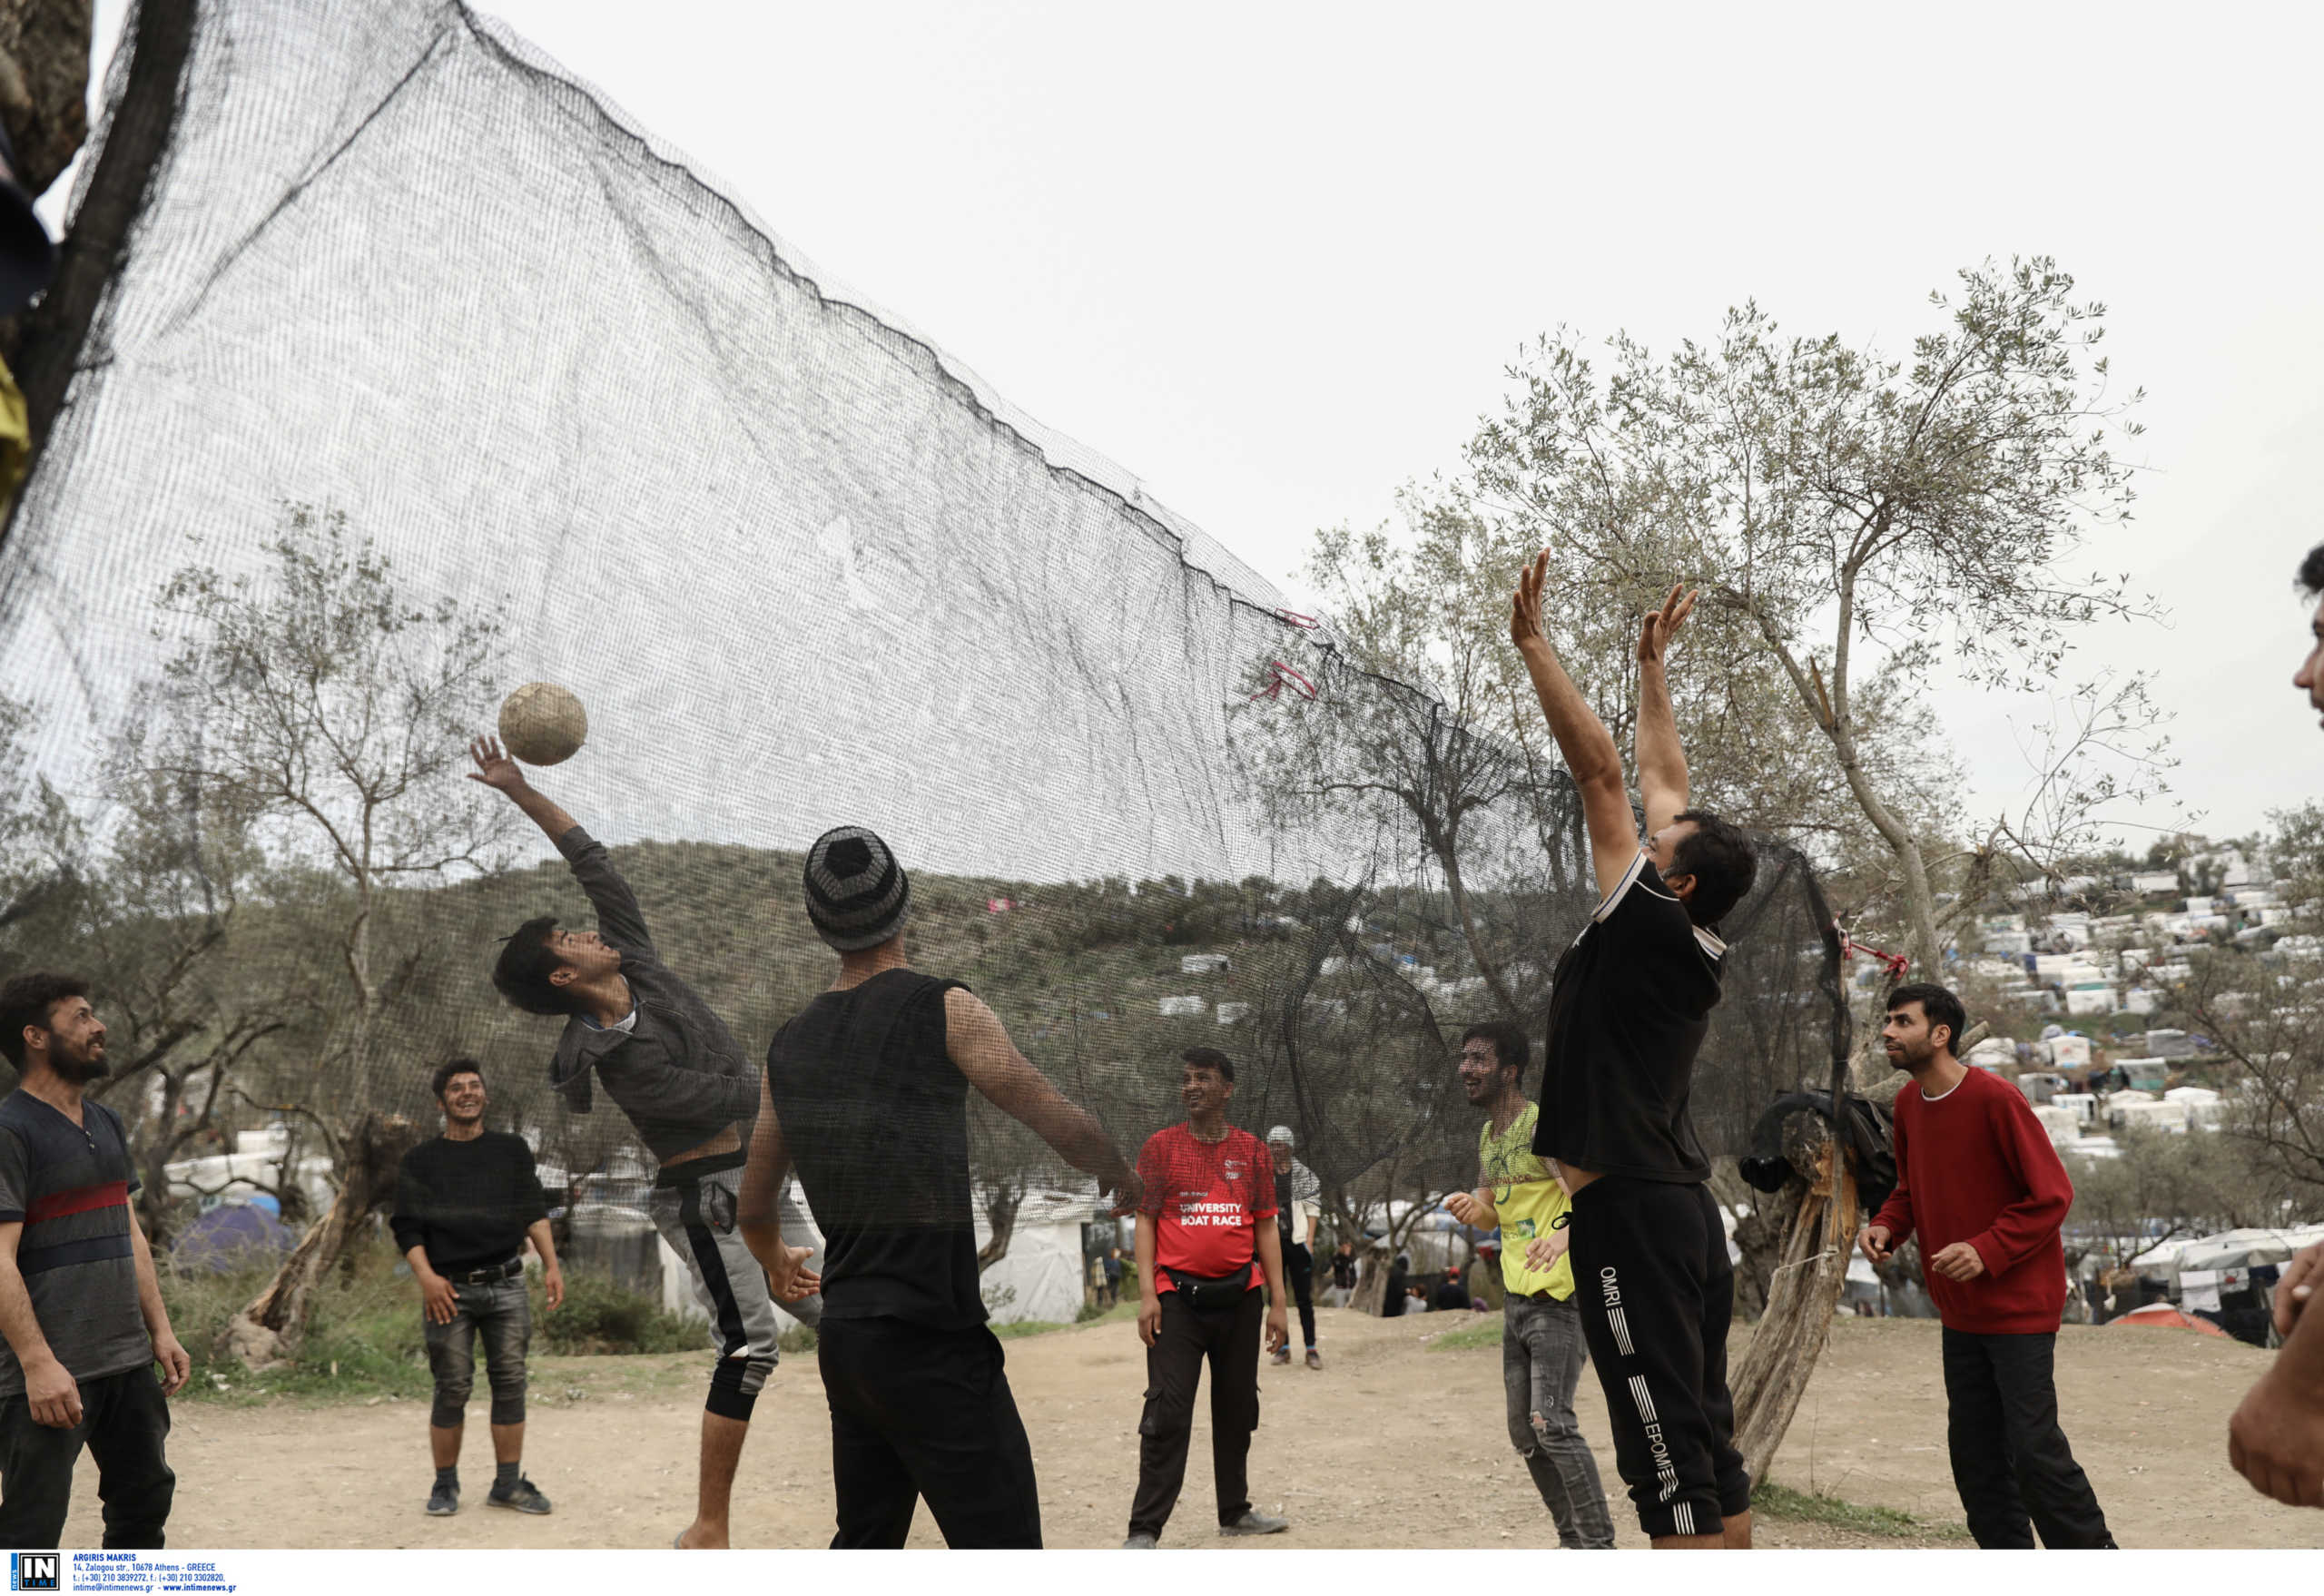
[[543, 723]]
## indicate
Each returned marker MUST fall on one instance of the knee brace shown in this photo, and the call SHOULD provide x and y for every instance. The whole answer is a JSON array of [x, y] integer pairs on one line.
[[735, 1384]]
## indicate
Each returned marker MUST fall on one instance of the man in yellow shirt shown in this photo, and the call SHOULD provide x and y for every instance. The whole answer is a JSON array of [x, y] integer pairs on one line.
[[1541, 1350]]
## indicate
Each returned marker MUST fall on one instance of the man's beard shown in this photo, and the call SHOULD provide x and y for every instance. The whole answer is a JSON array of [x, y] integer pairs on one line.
[[81, 1071]]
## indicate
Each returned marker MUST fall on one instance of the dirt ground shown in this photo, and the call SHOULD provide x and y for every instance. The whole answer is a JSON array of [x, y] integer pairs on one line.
[[1391, 1445]]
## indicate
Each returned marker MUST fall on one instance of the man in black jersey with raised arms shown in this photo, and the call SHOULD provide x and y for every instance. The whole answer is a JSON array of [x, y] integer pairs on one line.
[[866, 1092], [1627, 1011]]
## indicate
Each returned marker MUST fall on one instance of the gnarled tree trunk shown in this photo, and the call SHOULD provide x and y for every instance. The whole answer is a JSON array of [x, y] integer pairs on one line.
[[266, 1334], [1806, 1286], [159, 38]]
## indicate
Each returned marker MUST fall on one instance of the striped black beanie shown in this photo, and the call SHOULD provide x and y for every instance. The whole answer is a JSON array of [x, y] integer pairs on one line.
[[857, 894]]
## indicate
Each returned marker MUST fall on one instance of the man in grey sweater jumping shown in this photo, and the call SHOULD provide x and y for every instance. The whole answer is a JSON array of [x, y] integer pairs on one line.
[[670, 1064]]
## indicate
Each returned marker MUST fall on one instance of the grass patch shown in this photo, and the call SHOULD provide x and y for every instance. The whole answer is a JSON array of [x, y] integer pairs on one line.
[[1485, 1332], [364, 1340], [1781, 1501]]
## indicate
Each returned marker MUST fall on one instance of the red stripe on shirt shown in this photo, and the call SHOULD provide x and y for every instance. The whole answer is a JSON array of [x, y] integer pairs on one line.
[[57, 1205]]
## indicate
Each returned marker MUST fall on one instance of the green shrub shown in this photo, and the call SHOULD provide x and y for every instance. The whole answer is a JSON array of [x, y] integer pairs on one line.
[[599, 1316]]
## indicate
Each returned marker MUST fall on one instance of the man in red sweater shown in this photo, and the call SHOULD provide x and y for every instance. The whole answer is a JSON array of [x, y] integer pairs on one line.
[[1978, 1178]]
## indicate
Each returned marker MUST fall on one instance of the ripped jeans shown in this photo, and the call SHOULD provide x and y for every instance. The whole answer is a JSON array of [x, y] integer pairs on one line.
[[501, 1313], [1541, 1354]]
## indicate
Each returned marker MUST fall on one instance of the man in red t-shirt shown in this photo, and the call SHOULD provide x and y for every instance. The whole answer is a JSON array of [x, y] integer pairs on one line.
[[1977, 1177], [1204, 1222]]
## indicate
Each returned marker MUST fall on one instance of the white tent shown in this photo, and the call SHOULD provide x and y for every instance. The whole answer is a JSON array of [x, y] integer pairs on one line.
[[2171, 1116], [1044, 1274], [2063, 1123], [2201, 1103], [255, 1166], [1041, 1277], [2239, 1249]]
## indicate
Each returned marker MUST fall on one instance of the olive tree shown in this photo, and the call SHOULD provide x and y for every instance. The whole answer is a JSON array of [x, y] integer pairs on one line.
[[1863, 521]]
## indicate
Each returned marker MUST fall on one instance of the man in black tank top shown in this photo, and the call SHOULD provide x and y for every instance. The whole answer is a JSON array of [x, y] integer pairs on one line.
[[1628, 1007], [866, 1096]]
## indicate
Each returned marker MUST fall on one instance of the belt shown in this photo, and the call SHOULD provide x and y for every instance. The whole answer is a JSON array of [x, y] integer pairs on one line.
[[1542, 1295], [498, 1272]]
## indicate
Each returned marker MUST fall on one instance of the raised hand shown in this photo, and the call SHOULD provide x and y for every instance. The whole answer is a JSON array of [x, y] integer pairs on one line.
[[1655, 631], [494, 768], [1525, 604]]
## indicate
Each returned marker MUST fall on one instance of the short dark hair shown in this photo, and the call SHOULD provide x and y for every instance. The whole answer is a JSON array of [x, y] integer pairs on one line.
[[2311, 573], [443, 1074], [1211, 1059], [1939, 1005], [1510, 1048], [26, 1000], [1722, 859], [527, 960]]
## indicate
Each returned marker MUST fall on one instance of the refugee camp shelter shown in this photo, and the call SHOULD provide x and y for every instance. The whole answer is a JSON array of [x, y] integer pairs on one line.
[[2164, 1316]]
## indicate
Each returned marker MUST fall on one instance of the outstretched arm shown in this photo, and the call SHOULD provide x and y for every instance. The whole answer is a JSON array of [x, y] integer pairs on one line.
[[1662, 763], [496, 770], [1590, 756], [980, 1045], [619, 918]]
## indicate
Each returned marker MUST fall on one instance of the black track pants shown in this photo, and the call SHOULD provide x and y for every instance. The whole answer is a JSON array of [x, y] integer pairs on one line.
[[1658, 1298]]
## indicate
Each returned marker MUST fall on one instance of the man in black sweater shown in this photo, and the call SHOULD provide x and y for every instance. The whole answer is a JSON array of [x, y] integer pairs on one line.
[[464, 1203]]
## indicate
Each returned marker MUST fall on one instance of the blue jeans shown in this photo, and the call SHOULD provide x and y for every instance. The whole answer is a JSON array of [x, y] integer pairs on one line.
[[1541, 1354], [499, 1310]]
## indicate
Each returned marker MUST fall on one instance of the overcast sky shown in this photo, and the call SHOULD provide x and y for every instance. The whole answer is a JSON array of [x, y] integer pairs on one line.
[[1275, 260]]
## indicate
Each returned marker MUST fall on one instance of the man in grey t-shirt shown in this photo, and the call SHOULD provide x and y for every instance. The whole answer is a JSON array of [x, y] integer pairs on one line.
[[80, 1305]]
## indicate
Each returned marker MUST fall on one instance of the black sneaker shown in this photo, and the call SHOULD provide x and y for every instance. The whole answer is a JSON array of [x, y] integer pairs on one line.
[[524, 1496], [443, 1501]]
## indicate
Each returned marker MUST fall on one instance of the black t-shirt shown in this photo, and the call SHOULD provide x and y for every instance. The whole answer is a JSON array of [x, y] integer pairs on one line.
[[468, 1202], [875, 1117], [1627, 1012]]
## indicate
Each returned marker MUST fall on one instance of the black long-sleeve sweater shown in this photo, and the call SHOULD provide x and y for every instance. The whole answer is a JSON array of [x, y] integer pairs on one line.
[[468, 1202]]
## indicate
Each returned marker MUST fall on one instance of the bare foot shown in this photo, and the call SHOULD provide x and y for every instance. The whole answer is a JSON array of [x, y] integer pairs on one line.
[[697, 1537]]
